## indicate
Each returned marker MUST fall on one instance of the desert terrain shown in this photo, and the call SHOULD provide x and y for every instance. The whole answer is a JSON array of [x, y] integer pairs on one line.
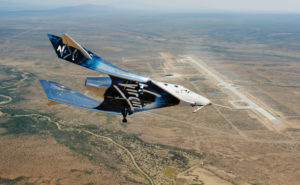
[[231, 142]]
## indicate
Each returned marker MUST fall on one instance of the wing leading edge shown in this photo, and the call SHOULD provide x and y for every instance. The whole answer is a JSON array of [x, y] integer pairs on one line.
[[68, 49]]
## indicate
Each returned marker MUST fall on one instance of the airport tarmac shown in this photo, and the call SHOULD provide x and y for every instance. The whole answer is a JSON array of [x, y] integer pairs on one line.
[[243, 98]]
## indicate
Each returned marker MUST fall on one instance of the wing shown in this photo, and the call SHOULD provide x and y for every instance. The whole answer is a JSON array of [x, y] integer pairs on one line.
[[58, 93], [122, 93], [68, 49]]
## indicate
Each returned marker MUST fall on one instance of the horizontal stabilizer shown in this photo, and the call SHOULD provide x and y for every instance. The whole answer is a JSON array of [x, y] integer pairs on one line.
[[62, 94]]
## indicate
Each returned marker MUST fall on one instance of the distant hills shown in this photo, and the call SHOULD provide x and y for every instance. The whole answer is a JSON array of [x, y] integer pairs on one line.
[[80, 9]]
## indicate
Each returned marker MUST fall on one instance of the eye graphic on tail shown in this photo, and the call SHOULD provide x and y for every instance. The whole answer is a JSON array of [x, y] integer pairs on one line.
[[65, 52]]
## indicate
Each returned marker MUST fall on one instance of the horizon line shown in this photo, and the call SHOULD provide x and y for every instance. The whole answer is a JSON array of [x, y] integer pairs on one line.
[[160, 10]]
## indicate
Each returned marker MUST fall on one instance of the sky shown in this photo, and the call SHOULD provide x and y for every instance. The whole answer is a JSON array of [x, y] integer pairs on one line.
[[272, 6]]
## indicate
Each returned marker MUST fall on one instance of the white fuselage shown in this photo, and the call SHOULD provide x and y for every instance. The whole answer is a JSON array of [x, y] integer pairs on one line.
[[185, 95]]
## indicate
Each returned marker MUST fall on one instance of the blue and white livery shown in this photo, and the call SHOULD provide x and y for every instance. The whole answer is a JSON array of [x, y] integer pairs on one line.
[[122, 92]]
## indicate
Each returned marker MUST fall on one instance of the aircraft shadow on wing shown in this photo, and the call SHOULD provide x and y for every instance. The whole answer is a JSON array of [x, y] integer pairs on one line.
[[123, 92]]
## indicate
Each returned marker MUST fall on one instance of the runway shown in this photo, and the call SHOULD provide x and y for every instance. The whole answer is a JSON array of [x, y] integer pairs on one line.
[[234, 90]]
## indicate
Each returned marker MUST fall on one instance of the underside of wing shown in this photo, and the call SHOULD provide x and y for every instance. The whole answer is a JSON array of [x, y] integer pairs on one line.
[[58, 93], [68, 49]]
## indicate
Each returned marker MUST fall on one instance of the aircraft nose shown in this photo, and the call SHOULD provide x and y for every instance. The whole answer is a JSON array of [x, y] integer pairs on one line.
[[207, 102], [202, 101]]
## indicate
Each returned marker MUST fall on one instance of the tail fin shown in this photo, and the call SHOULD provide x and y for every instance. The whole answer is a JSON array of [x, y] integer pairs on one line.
[[67, 40], [68, 49]]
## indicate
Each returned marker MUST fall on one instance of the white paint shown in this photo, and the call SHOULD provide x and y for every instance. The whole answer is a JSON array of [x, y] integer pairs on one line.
[[61, 50], [185, 95], [133, 101], [233, 89]]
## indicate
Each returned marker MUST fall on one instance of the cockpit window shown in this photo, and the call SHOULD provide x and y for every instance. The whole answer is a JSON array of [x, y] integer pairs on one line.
[[186, 90]]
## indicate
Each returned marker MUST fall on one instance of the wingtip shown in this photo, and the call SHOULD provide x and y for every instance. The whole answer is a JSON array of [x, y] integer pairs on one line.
[[45, 83], [50, 36], [42, 81]]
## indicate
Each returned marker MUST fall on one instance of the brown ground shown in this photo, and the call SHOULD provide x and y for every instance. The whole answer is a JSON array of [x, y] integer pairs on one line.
[[239, 148], [41, 160], [236, 147]]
